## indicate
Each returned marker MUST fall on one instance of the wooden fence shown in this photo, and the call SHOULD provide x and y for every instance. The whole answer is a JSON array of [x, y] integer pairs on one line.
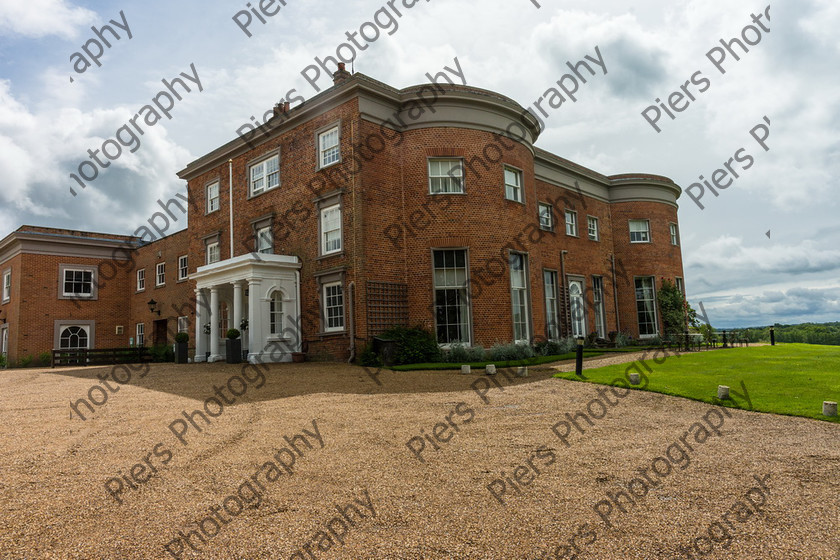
[[100, 356]]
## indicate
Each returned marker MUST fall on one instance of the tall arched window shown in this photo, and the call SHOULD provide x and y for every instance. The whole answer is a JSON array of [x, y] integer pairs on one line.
[[223, 319], [73, 337], [275, 313]]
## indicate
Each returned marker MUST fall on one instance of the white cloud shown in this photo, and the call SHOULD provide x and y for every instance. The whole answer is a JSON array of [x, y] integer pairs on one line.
[[40, 18]]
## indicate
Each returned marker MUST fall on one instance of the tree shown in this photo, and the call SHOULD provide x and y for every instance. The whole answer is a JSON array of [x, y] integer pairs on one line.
[[676, 313]]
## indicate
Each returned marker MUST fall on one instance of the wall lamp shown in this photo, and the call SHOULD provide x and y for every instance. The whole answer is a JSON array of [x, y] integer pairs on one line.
[[153, 307]]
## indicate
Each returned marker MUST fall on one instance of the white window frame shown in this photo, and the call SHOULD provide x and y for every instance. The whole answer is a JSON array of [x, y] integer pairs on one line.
[[593, 229], [183, 324], [571, 223], [326, 307], [82, 328], [211, 192], [7, 285], [641, 235], [652, 301], [160, 274], [213, 248], [264, 240], [514, 190], [447, 278], [183, 267], [453, 177], [599, 306], [67, 294], [675, 234], [577, 308], [329, 154], [552, 309], [520, 297], [141, 280], [140, 334], [275, 315], [678, 281], [258, 173], [335, 226], [547, 224]]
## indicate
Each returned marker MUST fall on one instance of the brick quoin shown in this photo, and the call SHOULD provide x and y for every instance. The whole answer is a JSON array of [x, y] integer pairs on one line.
[[391, 223]]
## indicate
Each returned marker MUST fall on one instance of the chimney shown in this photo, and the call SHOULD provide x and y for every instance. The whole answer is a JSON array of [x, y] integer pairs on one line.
[[342, 75], [281, 108]]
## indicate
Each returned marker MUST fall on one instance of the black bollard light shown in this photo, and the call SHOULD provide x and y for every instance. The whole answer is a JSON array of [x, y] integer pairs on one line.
[[772, 336], [579, 358]]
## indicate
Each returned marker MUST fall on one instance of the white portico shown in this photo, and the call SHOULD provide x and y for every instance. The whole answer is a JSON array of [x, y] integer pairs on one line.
[[262, 288]]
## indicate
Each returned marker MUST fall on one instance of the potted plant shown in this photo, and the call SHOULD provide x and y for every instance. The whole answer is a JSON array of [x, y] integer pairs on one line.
[[298, 357], [233, 347], [181, 343]]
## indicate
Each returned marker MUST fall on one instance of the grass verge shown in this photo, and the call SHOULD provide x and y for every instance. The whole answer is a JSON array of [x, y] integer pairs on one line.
[[790, 379]]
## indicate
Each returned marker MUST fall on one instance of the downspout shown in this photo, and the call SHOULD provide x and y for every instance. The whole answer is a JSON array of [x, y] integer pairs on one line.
[[566, 317], [615, 294], [351, 291], [297, 310], [230, 202]]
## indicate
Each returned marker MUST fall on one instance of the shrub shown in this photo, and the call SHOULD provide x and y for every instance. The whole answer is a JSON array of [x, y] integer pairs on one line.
[[476, 353], [369, 358], [414, 345], [591, 338], [622, 340], [182, 337], [653, 341], [25, 361], [457, 354], [512, 351], [2, 361], [162, 353], [45, 358], [233, 334], [557, 347], [708, 332]]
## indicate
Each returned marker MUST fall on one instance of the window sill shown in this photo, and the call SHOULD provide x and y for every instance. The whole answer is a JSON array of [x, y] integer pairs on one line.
[[330, 255], [445, 193], [547, 229], [253, 196], [522, 202], [332, 333], [320, 167], [212, 211], [572, 235], [180, 280]]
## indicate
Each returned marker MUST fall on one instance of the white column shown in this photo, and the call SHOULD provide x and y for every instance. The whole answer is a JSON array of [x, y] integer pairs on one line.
[[200, 337], [237, 304], [255, 326], [214, 325]]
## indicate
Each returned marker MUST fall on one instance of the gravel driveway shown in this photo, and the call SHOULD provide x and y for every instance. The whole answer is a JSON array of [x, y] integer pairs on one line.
[[312, 461]]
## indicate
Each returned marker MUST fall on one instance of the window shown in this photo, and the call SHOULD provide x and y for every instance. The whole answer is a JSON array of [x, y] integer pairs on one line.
[[645, 306], [552, 315], [73, 337], [577, 308], [265, 175], [212, 197], [571, 223], [598, 303], [275, 313], [592, 227], [675, 235], [183, 324], [446, 176], [513, 184], [224, 315], [141, 279], [329, 150], [639, 231], [452, 306], [680, 286], [213, 252], [7, 286], [78, 283], [333, 307], [265, 240], [546, 217], [140, 332], [160, 274], [519, 297], [183, 267], [331, 229]]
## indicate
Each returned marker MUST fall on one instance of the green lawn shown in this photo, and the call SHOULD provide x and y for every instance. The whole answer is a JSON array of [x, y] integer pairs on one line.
[[536, 360], [791, 379]]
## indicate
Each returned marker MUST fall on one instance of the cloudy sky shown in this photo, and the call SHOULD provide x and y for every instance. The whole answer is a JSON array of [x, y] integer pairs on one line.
[[790, 76]]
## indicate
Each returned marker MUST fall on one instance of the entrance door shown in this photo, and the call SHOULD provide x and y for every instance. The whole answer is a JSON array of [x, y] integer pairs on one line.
[[160, 332], [4, 342], [577, 308]]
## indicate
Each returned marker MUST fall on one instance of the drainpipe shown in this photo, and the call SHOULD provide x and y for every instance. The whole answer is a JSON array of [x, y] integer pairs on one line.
[[230, 202], [615, 294], [567, 318], [351, 290], [297, 310]]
